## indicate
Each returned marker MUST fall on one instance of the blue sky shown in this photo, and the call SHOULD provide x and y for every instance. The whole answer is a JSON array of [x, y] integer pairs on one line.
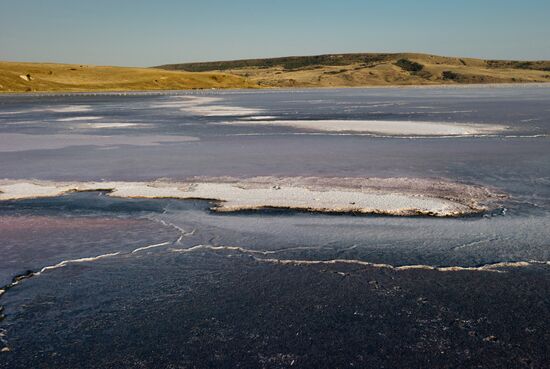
[[146, 33]]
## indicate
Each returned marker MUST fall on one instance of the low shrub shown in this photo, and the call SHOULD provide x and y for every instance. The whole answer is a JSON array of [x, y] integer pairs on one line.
[[450, 75], [409, 65]]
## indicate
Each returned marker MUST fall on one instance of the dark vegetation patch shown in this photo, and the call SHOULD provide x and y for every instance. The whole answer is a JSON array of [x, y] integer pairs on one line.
[[413, 68], [336, 71], [409, 65], [367, 60], [529, 65], [470, 78], [288, 63], [451, 76]]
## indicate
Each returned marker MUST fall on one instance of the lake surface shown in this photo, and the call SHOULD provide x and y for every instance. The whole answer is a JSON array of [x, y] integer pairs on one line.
[[166, 283]]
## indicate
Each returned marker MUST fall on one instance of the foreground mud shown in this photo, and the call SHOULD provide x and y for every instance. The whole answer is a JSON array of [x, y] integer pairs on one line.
[[234, 311]]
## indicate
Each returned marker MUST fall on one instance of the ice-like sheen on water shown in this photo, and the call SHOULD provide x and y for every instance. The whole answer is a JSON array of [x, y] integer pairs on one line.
[[129, 228]]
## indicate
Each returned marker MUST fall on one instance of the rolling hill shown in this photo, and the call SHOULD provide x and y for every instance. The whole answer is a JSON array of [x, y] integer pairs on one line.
[[375, 69], [331, 70], [48, 77]]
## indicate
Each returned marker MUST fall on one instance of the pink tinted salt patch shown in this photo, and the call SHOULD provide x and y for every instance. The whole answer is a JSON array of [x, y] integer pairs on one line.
[[32, 242]]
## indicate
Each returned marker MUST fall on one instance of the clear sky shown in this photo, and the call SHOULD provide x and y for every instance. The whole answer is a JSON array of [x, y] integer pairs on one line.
[[146, 33]]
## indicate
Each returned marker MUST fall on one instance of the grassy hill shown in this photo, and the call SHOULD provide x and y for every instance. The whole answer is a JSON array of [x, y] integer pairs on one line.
[[347, 70], [42, 77], [333, 70]]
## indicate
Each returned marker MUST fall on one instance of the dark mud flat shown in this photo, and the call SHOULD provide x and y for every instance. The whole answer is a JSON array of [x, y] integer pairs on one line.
[[210, 310]]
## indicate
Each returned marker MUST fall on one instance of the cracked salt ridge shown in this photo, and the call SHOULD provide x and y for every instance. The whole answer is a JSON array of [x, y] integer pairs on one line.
[[398, 196], [203, 106], [75, 119], [382, 127], [494, 267], [112, 125], [541, 135], [69, 109]]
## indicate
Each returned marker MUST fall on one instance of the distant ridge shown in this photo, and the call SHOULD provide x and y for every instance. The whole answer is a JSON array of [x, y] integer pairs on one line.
[[330, 70], [365, 69]]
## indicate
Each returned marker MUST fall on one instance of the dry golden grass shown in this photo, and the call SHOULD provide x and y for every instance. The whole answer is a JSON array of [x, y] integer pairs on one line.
[[45, 77], [338, 70], [385, 75], [354, 70]]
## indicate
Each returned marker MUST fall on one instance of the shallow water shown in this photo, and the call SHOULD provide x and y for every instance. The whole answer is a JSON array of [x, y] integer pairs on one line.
[[147, 300]]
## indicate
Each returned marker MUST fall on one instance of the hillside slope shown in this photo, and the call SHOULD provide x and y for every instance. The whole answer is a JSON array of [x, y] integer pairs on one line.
[[44, 77], [335, 70]]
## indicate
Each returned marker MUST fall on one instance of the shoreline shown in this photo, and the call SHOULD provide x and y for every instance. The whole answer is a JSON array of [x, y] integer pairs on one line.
[[162, 92]]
